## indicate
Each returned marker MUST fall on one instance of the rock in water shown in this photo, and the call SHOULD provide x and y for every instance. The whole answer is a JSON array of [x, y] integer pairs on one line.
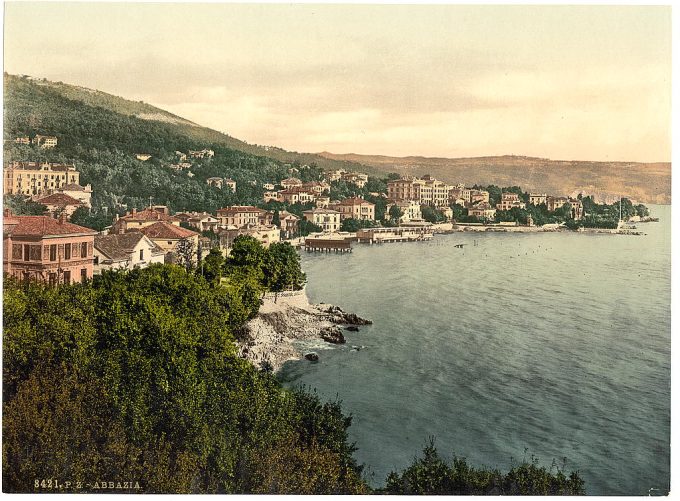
[[332, 335], [312, 357], [352, 328]]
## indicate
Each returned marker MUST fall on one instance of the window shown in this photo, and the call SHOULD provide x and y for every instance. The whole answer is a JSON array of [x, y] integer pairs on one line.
[[141, 254], [169, 242], [83, 249], [53, 252], [27, 251], [67, 277], [83, 274], [53, 279], [67, 251]]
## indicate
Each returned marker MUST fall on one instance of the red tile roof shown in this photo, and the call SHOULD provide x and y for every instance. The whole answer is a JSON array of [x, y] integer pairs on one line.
[[119, 247], [162, 229], [58, 199], [43, 226], [72, 187], [149, 215]]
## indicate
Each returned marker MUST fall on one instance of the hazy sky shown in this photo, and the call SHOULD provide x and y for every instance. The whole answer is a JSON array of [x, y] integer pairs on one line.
[[564, 82]]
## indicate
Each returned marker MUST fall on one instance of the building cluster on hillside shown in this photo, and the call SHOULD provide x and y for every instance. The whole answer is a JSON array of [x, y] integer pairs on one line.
[[357, 178], [220, 182], [38, 140], [429, 191]]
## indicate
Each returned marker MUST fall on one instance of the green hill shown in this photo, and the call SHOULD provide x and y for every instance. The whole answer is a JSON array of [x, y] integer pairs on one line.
[[101, 134]]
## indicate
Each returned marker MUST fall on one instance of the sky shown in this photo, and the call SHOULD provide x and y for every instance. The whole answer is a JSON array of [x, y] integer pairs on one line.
[[559, 82]]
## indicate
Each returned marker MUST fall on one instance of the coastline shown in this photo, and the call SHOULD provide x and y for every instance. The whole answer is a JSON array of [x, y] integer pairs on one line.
[[286, 317]]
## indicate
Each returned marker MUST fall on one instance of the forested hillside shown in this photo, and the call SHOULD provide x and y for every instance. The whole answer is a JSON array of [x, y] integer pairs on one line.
[[101, 134]]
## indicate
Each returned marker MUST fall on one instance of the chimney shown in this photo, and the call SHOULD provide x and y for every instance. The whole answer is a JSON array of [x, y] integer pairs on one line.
[[62, 218], [134, 211], [7, 213]]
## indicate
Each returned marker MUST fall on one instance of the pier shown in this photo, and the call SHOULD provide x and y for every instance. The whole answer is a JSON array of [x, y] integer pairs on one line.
[[328, 245], [398, 234]]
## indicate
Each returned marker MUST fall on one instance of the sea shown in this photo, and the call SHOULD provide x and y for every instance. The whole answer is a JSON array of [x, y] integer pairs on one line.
[[547, 347]]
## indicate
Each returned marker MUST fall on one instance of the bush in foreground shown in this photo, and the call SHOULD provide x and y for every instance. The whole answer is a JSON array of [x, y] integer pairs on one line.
[[431, 475]]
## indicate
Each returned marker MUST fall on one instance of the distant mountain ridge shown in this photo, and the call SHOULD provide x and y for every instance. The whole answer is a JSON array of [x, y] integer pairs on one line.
[[34, 105], [644, 182]]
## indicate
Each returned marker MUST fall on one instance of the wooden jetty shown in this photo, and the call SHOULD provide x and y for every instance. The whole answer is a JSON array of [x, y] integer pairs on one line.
[[328, 245]]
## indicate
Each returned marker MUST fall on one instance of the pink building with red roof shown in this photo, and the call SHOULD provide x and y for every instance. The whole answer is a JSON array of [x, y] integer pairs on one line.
[[45, 249]]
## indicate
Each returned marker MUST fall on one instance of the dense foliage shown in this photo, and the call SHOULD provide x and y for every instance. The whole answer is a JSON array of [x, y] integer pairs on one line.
[[431, 475], [135, 376], [21, 205], [276, 268]]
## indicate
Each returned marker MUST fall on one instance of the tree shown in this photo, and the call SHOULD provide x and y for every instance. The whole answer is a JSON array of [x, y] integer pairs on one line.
[[21, 205], [137, 372], [282, 270], [213, 265], [396, 213], [186, 252], [247, 252], [306, 227], [276, 219], [431, 475], [431, 214], [350, 224]]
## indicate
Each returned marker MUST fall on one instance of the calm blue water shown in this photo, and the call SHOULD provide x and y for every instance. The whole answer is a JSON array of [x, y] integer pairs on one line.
[[557, 342]]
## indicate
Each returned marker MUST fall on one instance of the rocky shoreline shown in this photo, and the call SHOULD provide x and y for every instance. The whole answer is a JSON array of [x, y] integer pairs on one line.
[[267, 340]]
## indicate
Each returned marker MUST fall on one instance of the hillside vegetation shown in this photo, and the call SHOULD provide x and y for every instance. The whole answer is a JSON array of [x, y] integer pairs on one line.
[[643, 182], [101, 134]]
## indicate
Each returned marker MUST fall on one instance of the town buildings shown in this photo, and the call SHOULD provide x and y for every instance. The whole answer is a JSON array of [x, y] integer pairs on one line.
[[58, 203], [265, 234], [200, 221], [510, 201], [45, 249], [202, 153], [327, 219], [289, 224], [426, 191], [166, 236], [356, 178], [354, 208], [22, 140], [482, 210], [555, 203], [538, 198], [136, 220], [125, 251], [239, 215], [576, 209], [37, 178], [80, 193], [45, 141], [410, 211], [290, 182]]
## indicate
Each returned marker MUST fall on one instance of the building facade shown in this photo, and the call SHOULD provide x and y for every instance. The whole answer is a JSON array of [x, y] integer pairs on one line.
[[37, 178], [510, 201], [48, 250], [136, 220], [355, 208], [327, 219], [125, 251]]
